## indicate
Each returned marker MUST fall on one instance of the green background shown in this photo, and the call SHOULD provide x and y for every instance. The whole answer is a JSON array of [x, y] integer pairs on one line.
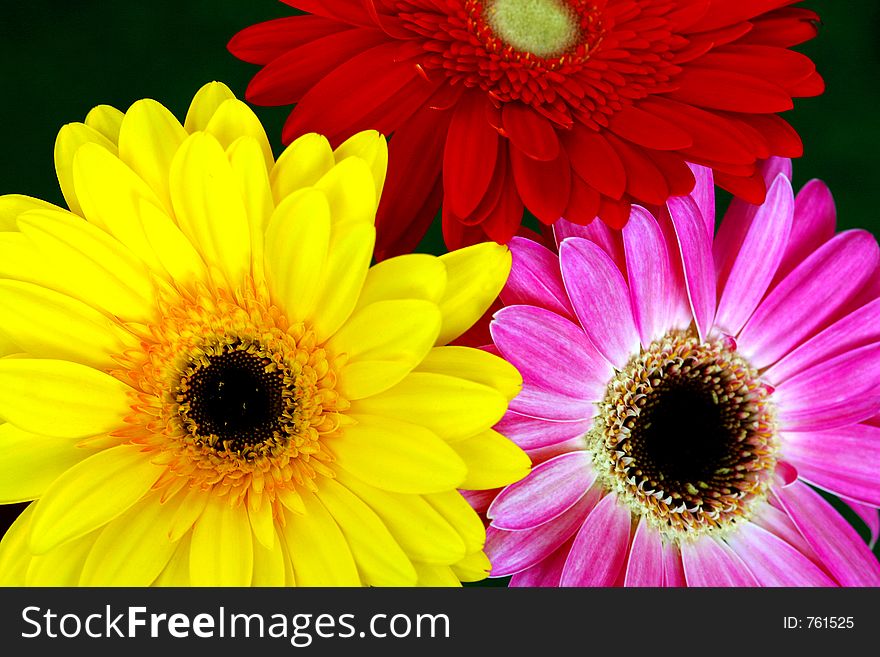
[[60, 58]]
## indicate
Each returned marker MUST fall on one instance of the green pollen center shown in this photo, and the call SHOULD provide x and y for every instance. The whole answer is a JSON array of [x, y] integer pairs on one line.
[[545, 28]]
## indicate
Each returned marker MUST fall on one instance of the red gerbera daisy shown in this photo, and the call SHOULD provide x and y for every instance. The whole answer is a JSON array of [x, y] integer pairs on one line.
[[573, 108]]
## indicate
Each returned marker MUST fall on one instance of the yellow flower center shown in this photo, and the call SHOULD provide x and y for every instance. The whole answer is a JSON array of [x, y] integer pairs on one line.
[[686, 436], [545, 28], [233, 398]]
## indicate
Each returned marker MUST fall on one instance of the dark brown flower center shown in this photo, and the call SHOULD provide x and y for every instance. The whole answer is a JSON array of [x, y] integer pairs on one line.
[[685, 435], [235, 398]]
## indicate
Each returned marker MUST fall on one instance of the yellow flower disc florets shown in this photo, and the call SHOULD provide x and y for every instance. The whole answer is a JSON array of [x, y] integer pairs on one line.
[[212, 354]]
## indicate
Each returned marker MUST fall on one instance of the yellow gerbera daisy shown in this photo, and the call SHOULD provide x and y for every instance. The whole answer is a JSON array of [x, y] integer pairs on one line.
[[206, 383]]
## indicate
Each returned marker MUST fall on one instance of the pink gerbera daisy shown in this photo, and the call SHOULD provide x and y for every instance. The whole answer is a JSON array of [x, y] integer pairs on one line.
[[686, 392]]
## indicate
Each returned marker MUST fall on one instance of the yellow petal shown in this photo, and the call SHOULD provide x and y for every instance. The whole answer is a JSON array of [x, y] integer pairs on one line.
[[371, 147], [91, 494], [60, 398], [83, 262], [348, 260], [222, 549], [176, 571], [188, 512], [31, 462], [384, 342], [458, 513], [133, 549], [209, 207], [473, 568], [7, 346], [246, 159], [493, 461], [12, 205], [474, 365], [61, 566], [418, 528], [451, 407], [269, 563], [351, 191], [15, 556], [379, 558], [296, 250], [263, 524], [175, 252], [397, 456], [232, 120], [70, 139], [476, 275], [52, 325], [204, 104], [436, 575], [302, 164], [107, 120], [411, 276], [318, 551], [148, 139], [110, 195]]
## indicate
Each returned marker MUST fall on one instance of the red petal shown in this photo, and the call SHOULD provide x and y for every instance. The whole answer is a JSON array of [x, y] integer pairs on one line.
[[413, 189], [490, 199], [649, 130], [543, 186], [372, 90], [785, 27], [263, 42], [470, 155], [583, 202], [711, 134], [594, 160], [782, 139], [729, 90], [644, 182], [752, 189], [530, 132], [812, 86], [456, 235], [678, 175], [778, 65], [725, 12], [614, 213], [349, 11], [504, 220], [286, 79]]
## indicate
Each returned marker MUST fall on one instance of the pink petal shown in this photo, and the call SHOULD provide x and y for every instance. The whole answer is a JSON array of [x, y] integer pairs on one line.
[[758, 258], [842, 390], [546, 573], [645, 566], [480, 499], [673, 571], [695, 249], [658, 303], [704, 195], [600, 298], [535, 279], [599, 549], [708, 562], [772, 561], [596, 231], [563, 374], [534, 433], [870, 517], [809, 297], [815, 220], [835, 542], [549, 490], [859, 328], [777, 522], [844, 461], [512, 552]]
